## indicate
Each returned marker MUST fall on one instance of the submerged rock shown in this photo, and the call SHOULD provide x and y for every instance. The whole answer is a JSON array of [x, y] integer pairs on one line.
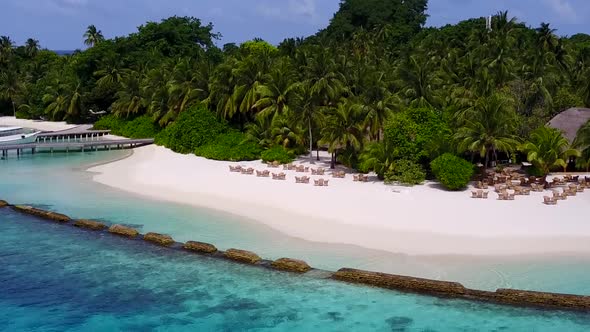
[[90, 224], [159, 239], [418, 285], [42, 213], [292, 265], [200, 247], [242, 256], [123, 231]]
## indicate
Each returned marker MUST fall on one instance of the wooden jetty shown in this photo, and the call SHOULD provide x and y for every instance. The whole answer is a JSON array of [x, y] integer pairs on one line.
[[80, 139], [105, 144]]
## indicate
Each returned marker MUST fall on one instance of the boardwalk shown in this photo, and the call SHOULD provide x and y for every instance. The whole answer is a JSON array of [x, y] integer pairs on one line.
[[81, 138], [104, 144]]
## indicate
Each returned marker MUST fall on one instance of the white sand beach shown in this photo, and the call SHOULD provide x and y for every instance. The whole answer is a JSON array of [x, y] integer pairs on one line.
[[421, 220], [34, 124]]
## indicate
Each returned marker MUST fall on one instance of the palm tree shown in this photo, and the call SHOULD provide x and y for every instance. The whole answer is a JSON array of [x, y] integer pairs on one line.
[[546, 39], [547, 149], [278, 94], [6, 48], [63, 101], [417, 80], [93, 36], [377, 157], [307, 112], [32, 47], [10, 86], [182, 90], [488, 127], [129, 99], [343, 128]]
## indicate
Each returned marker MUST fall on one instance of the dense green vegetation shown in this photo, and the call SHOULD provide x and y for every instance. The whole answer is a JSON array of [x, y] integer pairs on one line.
[[451, 171], [376, 89], [140, 127]]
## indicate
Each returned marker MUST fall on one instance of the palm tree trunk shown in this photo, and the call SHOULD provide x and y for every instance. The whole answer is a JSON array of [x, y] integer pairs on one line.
[[333, 161], [485, 167], [318, 153], [310, 142], [13, 108]]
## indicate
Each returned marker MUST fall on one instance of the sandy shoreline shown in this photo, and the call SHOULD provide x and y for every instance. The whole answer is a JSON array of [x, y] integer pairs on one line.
[[422, 220], [34, 124]]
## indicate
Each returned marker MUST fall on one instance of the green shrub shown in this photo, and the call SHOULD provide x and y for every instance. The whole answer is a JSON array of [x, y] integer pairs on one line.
[[230, 146], [413, 133], [405, 172], [452, 172], [112, 123], [192, 129], [278, 153], [140, 127]]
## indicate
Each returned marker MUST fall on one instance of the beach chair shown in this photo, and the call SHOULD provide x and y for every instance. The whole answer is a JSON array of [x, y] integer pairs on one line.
[[318, 183], [474, 194], [355, 177], [305, 179], [275, 176], [259, 174], [485, 194], [326, 183], [510, 197], [549, 200], [502, 196]]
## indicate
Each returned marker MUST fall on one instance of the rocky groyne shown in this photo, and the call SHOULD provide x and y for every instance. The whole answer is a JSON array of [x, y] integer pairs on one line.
[[376, 279]]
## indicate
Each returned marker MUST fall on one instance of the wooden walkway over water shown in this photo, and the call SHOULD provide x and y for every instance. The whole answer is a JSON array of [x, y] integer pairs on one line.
[[80, 139], [104, 144]]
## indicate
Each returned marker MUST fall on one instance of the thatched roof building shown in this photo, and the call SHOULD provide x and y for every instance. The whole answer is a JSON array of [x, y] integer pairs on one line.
[[570, 121]]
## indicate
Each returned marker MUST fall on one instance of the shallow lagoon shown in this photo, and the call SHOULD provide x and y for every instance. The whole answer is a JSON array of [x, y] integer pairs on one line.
[[59, 182]]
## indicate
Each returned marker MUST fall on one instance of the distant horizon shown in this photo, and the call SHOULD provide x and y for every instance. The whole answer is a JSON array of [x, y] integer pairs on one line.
[[238, 21]]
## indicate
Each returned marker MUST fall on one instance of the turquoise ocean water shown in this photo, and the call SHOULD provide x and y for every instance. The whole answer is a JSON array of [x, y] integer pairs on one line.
[[60, 279]]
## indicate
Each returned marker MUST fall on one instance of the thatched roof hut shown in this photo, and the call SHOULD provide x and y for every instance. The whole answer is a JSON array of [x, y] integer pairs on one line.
[[570, 121]]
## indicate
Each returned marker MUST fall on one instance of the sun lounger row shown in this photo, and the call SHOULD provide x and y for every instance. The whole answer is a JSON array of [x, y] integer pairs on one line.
[[320, 183], [549, 200], [303, 179], [280, 176], [339, 175], [360, 178], [480, 194], [505, 196], [263, 174]]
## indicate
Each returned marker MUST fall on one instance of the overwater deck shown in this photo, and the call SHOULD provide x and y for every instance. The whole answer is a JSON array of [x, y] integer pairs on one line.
[[79, 139]]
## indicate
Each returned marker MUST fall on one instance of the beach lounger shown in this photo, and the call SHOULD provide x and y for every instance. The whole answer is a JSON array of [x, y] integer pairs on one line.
[[326, 183], [318, 183], [474, 194], [235, 169], [485, 194], [549, 200]]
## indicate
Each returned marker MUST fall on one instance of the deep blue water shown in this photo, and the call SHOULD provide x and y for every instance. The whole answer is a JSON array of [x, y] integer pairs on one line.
[[58, 278]]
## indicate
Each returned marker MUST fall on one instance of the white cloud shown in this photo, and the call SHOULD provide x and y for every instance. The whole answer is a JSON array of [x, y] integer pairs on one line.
[[303, 7], [564, 9], [293, 10]]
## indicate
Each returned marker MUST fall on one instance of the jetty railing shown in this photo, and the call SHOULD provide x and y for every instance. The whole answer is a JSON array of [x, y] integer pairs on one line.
[[445, 289], [106, 144]]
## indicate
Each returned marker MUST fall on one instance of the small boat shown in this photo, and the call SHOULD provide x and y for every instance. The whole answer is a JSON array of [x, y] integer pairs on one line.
[[17, 135]]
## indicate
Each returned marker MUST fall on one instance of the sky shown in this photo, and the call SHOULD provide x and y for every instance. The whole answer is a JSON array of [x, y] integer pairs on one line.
[[60, 24]]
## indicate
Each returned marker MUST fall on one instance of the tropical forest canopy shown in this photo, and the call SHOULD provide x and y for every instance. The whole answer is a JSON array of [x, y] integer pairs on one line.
[[376, 88]]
